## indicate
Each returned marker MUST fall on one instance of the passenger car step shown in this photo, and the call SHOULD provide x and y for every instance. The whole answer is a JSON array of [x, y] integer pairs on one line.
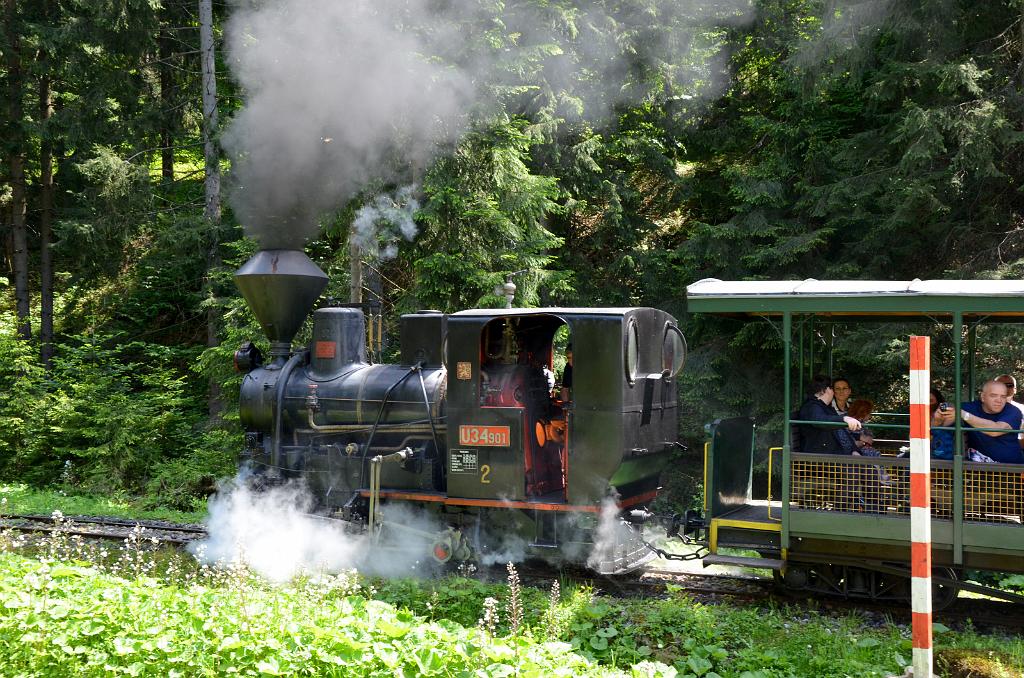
[[742, 561]]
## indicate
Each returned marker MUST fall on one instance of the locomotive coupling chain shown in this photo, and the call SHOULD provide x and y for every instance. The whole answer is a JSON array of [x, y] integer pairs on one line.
[[678, 526], [690, 522], [701, 551]]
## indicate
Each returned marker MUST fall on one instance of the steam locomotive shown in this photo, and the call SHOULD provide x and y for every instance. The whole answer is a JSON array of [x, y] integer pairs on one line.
[[468, 427]]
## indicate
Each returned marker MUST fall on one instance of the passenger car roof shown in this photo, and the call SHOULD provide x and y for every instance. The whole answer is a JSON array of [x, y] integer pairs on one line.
[[859, 298]]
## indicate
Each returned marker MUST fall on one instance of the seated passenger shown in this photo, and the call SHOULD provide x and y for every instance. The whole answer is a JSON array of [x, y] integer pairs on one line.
[[815, 438], [864, 440], [942, 415], [991, 411], [842, 390]]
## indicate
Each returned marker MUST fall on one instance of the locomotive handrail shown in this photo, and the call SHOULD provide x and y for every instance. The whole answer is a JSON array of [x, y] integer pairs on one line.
[[282, 381], [380, 414], [426, 403]]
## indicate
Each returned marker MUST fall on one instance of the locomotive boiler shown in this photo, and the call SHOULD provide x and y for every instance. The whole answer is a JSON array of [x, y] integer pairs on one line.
[[467, 428]]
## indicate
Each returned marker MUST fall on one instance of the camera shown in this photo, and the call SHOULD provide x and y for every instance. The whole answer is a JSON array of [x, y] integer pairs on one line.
[[943, 406]]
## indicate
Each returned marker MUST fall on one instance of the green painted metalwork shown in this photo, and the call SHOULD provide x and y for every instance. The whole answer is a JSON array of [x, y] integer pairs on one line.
[[863, 527], [1003, 538], [936, 306], [958, 455], [970, 308], [972, 342], [787, 434]]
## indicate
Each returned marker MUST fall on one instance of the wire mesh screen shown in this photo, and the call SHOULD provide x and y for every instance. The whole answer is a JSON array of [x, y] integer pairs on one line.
[[878, 485], [993, 493]]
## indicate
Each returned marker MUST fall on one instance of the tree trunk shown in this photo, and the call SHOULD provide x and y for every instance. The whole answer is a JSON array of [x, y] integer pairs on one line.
[[212, 188], [166, 106], [19, 201], [46, 208], [212, 211], [8, 240], [46, 191], [355, 267], [1020, 66]]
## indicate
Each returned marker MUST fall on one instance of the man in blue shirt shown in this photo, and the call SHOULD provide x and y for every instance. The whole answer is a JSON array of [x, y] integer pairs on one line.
[[990, 410]]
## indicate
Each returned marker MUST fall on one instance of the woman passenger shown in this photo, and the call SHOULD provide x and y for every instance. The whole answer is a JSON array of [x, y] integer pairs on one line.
[[842, 390]]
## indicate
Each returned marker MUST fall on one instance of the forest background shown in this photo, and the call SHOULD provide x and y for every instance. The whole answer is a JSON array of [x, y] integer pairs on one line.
[[733, 139]]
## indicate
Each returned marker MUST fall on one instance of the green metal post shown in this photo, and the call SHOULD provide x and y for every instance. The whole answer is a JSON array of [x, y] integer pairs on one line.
[[810, 350], [787, 338], [831, 347], [800, 365], [972, 339], [958, 455]]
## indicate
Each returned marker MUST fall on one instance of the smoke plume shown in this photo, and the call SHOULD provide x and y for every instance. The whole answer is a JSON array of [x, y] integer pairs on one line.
[[329, 86], [341, 93]]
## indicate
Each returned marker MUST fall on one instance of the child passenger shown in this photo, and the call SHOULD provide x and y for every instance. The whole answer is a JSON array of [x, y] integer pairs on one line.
[[865, 439]]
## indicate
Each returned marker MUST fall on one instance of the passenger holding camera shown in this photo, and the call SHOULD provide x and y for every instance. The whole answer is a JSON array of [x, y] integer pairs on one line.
[[990, 410], [943, 414]]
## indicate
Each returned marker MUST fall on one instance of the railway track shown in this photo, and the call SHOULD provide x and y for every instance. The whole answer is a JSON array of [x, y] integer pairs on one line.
[[94, 527], [986, 615], [653, 582]]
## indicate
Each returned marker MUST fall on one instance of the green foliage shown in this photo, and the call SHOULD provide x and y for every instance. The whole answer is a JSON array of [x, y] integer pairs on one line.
[[804, 139], [20, 498], [483, 218], [69, 620], [107, 415], [81, 610]]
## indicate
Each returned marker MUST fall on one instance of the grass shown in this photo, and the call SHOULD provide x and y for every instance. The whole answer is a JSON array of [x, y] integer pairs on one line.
[[69, 620], [73, 609], [21, 498]]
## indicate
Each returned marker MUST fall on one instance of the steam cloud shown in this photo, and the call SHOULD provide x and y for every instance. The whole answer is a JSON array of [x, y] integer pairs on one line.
[[386, 218], [342, 93], [611, 538], [273, 533]]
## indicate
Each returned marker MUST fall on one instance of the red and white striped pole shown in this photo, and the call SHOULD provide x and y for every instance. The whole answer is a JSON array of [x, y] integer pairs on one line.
[[920, 505]]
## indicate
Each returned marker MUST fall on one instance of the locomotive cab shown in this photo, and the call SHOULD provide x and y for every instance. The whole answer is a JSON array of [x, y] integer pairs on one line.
[[513, 437]]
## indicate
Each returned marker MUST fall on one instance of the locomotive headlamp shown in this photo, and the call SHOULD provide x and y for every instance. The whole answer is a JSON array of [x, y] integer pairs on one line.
[[247, 357]]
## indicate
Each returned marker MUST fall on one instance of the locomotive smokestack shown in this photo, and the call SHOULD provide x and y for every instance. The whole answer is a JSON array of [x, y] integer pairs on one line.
[[280, 287]]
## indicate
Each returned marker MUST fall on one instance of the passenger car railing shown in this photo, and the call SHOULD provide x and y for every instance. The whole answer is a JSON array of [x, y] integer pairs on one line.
[[992, 493]]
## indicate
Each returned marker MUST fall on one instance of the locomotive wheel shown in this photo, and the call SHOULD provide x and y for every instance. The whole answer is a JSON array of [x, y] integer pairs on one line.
[[795, 578], [943, 594]]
